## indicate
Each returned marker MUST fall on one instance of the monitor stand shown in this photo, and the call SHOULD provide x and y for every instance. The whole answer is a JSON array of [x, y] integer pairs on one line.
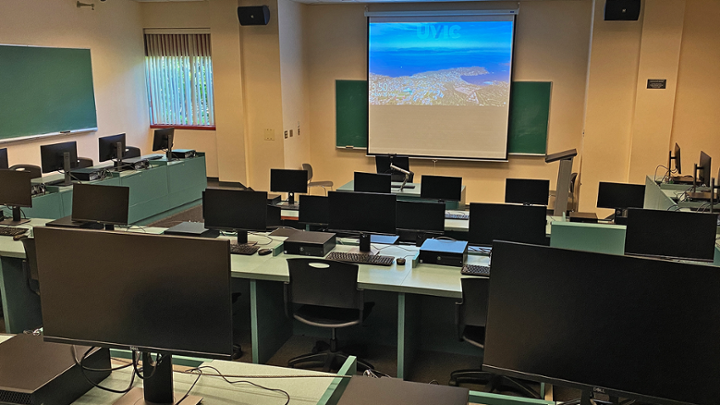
[[16, 218], [66, 169], [158, 389], [242, 237], [118, 156]]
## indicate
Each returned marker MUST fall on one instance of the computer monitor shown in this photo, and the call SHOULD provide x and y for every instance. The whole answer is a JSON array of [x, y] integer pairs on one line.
[[703, 175], [676, 158], [314, 210], [289, 181], [15, 192], [627, 327], [112, 147], [59, 156], [671, 234], [4, 159], [509, 222], [527, 191], [372, 182], [107, 205], [173, 297], [418, 220], [235, 210], [355, 212], [163, 140], [441, 188], [382, 165], [620, 197]]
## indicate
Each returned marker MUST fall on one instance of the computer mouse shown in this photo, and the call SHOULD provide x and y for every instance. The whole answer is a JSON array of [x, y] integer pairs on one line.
[[400, 260], [263, 252]]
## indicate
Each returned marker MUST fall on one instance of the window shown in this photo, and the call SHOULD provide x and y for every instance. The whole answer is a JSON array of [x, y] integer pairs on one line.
[[178, 69]]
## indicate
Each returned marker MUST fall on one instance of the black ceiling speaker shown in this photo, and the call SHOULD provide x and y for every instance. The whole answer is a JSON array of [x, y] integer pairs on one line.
[[622, 10], [255, 15]]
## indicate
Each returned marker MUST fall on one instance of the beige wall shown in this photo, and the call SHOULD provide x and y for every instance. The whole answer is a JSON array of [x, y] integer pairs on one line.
[[696, 124], [292, 77], [551, 45], [113, 34]]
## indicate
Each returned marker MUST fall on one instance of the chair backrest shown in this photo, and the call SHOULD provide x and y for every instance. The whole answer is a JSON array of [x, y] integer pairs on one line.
[[84, 162], [473, 308], [306, 166], [35, 171], [131, 152], [323, 282]]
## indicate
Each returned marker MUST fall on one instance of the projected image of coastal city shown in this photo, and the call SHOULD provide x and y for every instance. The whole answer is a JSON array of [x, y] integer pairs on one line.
[[440, 63]]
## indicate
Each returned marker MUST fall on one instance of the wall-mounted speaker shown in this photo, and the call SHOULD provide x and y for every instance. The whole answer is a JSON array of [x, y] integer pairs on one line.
[[622, 10], [255, 15]]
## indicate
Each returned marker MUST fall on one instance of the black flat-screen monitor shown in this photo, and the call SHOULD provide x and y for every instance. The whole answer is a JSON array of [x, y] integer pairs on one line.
[[671, 234], [15, 192], [4, 159], [289, 181], [372, 182], [527, 191], [509, 222], [163, 139], [171, 286], [314, 210], [419, 220], [107, 205], [630, 327], [52, 156], [362, 212], [382, 165], [107, 147], [704, 167], [441, 188], [620, 195], [235, 210]]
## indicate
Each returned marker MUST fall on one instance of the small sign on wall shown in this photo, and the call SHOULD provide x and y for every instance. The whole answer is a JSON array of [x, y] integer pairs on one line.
[[657, 83]]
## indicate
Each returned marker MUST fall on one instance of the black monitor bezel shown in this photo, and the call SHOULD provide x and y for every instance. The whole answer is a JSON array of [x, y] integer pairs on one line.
[[4, 164], [19, 179], [281, 178], [476, 238], [704, 169], [117, 196], [161, 138], [615, 189], [305, 201], [242, 197], [108, 144], [511, 191], [429, 206], [390, 207], [372, 182], [429, 187], [52, 156]]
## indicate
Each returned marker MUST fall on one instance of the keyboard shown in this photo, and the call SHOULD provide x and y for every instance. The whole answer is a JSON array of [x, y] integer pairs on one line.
[[10, 231], [243, 249], [475, 270], [457, 215], [361, 258]]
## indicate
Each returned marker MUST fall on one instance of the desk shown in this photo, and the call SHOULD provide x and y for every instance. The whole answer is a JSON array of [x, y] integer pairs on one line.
[[412, 194], [163, 189]]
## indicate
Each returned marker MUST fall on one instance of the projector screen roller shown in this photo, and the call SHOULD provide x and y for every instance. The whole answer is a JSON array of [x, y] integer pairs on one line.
[[439, 87]]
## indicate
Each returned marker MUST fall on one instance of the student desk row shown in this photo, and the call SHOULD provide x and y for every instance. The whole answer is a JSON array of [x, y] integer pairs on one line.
[[156, 192], [405, 297]]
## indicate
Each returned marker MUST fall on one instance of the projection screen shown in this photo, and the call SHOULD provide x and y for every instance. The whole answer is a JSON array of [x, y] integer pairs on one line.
[[439, 85]]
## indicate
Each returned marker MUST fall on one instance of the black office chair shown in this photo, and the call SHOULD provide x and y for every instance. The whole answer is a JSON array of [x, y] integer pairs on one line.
[[131, 152], [84, 162], [29, 265], [324, 293], [35, 171], [470, 317]]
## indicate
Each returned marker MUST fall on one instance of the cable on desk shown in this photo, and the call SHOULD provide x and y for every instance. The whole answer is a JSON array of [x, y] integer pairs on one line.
[[141, 373], [83, 368], [264, 236], [226, 378], [74, 353]]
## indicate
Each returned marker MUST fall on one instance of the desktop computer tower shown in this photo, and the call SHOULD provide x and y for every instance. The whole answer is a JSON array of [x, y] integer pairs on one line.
[[309, 243], [35, 372], [445, 252]]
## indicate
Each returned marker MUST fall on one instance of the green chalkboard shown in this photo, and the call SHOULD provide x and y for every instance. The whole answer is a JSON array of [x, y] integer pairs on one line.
[[529, 114], [45, 90], [351, 118]]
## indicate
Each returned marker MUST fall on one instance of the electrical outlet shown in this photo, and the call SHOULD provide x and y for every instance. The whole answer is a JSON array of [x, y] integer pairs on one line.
[[291, 133], [298, 133], [286, 134], [269, 134]]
